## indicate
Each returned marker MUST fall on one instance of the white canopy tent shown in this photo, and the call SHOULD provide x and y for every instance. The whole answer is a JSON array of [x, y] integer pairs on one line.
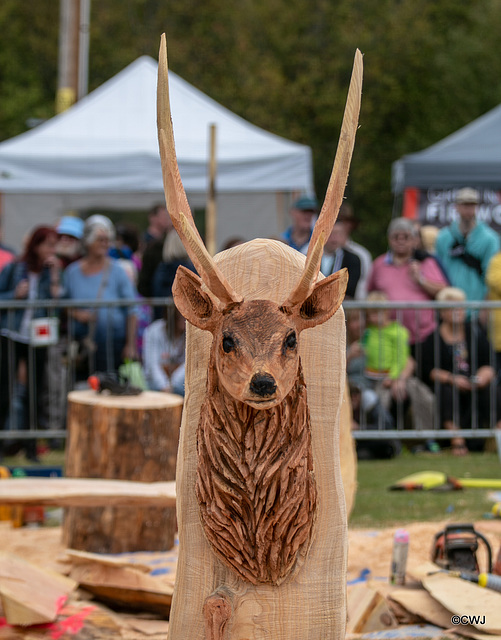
[[103, 152]]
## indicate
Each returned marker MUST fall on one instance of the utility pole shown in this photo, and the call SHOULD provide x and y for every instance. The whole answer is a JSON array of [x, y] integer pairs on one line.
[[74, 18], [83, 52]]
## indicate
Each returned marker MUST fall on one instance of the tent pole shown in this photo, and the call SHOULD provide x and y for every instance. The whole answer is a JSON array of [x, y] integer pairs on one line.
[[280, 204], [397, 205], [211, 210]]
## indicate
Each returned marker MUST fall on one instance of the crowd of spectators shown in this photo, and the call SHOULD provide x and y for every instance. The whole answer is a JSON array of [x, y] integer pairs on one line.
[[452, 350], [91, 260], [402, 361], [406, 363]]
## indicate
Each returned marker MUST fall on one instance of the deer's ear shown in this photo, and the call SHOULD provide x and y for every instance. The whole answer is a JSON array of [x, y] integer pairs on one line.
[[323, 302], [197, 306]]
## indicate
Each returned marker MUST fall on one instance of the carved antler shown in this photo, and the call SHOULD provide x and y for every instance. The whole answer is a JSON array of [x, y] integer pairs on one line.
[[179, 209], [175, 195], [335, 189]]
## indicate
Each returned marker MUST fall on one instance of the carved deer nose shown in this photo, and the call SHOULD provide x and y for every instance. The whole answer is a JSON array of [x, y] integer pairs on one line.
[[262, 384]]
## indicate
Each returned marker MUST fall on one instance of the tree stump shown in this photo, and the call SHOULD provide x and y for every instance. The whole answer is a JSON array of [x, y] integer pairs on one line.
[[124, 438]]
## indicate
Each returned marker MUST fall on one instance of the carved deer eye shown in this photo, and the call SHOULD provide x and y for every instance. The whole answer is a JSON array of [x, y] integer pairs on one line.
[[228, 344], [290, 341]]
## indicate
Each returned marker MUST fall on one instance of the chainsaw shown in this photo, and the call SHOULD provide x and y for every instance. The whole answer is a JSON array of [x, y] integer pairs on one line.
[[455, 548], [113, 384]]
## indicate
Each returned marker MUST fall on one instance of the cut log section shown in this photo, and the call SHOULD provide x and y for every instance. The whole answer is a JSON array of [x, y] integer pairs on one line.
[[125, 438]]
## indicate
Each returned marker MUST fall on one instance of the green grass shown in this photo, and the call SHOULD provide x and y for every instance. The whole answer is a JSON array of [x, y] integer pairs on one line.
[[376, 506], [48, 459]]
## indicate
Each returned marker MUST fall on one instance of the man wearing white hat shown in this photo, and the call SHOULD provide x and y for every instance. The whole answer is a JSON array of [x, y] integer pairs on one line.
[[466, 246]]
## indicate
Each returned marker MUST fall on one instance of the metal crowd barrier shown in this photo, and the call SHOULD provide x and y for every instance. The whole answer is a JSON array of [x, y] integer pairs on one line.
[[61, 379], [60, 373], [481, 315]]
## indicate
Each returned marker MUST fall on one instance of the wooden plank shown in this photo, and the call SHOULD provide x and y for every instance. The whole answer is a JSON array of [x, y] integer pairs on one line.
[[147, 627], [408, 632], [360, 600], [84, 557], [86, 492], [464, 598], [368, 611], [421, 603], [470, 632], [124, 586], [31, 595], [421, 571]]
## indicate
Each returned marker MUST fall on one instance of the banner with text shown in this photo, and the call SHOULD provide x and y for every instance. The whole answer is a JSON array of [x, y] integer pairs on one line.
[[436, 206]]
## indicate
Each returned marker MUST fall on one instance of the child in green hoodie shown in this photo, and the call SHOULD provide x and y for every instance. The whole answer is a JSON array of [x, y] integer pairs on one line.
[[387, 351]]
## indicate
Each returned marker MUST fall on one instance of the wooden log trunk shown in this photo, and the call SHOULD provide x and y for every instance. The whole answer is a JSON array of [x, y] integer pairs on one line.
[[347, 451], [123, 438], [311, 603]]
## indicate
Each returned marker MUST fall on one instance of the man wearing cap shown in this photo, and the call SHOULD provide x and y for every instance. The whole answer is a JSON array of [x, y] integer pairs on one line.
[[466, 246], [302, 213], [69, 236]]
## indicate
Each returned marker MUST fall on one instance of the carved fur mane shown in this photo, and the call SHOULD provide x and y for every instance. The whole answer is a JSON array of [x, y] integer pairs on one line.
[[255, 484]]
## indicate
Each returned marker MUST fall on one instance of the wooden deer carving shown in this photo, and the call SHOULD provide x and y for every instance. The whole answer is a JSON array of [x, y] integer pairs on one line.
[[257, 501]]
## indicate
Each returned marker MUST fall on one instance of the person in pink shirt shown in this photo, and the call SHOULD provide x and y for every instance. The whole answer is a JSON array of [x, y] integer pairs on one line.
[[6, 257], [404, 278], [6, 254]]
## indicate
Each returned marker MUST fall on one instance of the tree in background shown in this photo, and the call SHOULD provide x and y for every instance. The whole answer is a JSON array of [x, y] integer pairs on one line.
[[28, 63], [431, 66]]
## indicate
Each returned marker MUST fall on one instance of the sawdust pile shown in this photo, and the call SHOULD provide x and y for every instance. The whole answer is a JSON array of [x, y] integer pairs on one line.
[[369, 558]]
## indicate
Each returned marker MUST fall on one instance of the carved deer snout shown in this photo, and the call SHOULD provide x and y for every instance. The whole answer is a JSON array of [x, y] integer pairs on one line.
[[262, 384]]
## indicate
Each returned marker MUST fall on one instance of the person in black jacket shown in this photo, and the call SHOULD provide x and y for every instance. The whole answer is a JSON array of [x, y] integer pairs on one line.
[[456, 366], [173, 255], [336, 257]]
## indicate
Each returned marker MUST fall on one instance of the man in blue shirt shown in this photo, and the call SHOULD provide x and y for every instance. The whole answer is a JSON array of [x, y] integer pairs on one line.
[[302, 213], [466, 246]]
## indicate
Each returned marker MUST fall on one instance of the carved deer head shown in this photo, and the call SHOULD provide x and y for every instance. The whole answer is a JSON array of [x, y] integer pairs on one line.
[[255, 349]]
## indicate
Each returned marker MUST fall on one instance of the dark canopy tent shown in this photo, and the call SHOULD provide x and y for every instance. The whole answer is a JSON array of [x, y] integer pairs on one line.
[[470, 156]]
